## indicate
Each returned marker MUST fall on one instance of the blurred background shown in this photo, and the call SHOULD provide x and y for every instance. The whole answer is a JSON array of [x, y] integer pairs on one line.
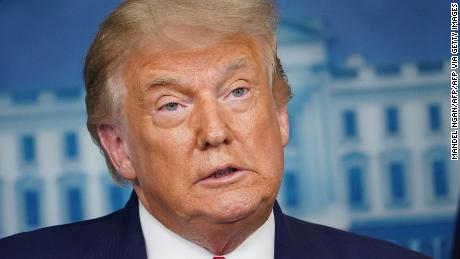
[[369, 149]]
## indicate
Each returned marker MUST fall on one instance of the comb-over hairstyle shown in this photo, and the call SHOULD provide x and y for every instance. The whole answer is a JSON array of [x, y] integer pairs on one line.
[[135, 20]]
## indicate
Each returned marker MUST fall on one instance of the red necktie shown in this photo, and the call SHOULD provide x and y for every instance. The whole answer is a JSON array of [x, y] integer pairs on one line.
[[218, 257]]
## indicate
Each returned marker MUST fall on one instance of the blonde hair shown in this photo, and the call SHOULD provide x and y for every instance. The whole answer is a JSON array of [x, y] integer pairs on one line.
[[135, 19]]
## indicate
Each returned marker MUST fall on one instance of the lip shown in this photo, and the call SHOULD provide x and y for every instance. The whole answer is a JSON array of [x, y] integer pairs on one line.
[[210, 181]]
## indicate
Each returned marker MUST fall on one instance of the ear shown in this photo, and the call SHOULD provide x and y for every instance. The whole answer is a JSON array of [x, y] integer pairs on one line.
[[283, 121], [116, 148]]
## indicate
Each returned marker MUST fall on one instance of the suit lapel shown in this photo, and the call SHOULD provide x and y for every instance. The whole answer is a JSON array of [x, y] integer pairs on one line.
[[134, 245], [284, 243], [121, 237]]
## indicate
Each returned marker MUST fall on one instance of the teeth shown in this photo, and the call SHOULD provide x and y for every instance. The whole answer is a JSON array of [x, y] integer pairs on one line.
[[221, 173]]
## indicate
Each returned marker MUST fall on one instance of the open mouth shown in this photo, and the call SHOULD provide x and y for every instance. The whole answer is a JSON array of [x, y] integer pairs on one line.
[[223, 172], [224, 175]]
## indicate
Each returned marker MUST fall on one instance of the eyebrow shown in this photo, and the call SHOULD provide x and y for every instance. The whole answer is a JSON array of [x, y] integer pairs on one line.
[[234, 65], [160, 81]]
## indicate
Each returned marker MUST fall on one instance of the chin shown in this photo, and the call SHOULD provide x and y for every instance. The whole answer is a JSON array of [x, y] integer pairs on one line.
[[233, 209]]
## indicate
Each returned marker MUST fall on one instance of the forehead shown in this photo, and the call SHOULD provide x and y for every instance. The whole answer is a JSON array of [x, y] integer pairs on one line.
[[229, 53], [151, 58]]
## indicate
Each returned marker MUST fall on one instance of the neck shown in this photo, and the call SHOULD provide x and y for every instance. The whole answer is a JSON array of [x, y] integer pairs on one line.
[[217, 238], [221, 239]]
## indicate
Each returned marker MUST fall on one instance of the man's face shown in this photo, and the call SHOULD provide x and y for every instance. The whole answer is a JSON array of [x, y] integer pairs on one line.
[[202, 135]]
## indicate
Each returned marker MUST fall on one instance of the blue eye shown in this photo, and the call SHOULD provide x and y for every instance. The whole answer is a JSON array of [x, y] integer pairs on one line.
[[170, 106], [238, 92]]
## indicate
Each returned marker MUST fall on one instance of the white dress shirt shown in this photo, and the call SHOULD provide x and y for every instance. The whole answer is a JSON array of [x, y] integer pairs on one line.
[[162, 243]]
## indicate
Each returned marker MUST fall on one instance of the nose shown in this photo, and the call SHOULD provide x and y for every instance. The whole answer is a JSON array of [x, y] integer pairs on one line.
[[212, 129]]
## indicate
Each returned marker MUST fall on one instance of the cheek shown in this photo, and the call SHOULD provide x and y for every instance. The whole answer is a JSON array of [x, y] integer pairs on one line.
[[260, 136], [161, 157], [261, 128], [163, 174]]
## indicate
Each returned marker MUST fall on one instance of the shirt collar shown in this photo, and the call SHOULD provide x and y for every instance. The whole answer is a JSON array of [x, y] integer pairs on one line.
[[163, 243]]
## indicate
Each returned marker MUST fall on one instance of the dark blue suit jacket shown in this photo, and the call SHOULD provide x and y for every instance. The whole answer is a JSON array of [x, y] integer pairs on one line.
[[119, 236]]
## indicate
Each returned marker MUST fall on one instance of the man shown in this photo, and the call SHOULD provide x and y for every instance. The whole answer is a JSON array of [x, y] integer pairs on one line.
[[188, 102]]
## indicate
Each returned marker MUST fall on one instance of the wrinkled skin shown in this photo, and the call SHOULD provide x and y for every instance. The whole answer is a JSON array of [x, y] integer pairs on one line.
[[188, 111]]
